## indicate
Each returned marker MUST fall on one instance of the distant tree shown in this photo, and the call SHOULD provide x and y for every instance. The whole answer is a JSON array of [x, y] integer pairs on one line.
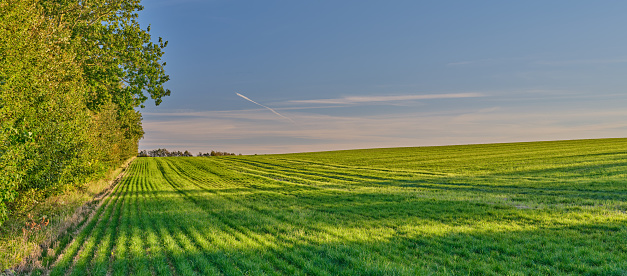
[[159, 153], [178, 153]]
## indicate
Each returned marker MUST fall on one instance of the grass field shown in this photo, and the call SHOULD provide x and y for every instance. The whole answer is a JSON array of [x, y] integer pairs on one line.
[[517, 209]]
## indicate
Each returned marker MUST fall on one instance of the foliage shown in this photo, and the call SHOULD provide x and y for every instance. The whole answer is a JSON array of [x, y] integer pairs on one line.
[[220, 153], [22, 242], [71, 74], [555, 208], [167, 153], [163, 153], [116, 56]]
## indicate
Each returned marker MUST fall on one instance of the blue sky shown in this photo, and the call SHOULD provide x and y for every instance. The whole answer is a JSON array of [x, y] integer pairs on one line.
[[366, 74]]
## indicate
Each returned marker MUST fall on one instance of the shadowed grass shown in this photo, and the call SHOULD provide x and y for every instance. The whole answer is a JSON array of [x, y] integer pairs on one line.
[[529, 208]]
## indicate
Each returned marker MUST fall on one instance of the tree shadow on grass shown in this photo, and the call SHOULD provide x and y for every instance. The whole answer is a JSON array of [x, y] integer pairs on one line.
[[410, 249], [419, 226], [455, 241]]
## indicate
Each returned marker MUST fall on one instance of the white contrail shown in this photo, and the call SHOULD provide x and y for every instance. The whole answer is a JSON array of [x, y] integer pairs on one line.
[[273, 111]]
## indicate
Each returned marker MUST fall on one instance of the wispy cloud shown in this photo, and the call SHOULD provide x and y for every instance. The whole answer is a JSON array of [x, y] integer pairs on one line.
[[582, 61], [379, 99], [539, 61], [257, 131], [489, 61], [169, 3], [460, 63]]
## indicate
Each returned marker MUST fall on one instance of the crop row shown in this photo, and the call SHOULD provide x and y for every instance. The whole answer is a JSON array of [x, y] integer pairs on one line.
[[319, 214]]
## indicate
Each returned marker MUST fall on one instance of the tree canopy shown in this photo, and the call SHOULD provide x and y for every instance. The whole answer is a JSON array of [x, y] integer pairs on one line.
[[72, 75]]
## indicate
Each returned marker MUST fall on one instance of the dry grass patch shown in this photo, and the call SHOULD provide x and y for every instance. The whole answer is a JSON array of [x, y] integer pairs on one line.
[[33, 239]]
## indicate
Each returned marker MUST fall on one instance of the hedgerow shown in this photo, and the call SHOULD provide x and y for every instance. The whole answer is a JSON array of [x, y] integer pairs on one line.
[[72, 74]]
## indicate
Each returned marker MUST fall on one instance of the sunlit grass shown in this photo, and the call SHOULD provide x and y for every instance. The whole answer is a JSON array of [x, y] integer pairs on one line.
[[526, 208], [65, 213]]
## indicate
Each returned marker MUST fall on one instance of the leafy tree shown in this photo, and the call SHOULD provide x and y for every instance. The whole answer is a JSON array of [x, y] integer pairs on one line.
[[71, 75], [116, 55], [41, 111]]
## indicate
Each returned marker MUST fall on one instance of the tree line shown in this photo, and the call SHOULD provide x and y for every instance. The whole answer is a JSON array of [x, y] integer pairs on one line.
[[72, 77], [166, 153]]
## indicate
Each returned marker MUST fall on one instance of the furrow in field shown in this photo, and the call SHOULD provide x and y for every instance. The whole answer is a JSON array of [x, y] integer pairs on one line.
[[356, 184], [503, 183], [305, 173], [346, 255], [118, 261], [230, 237], [310, 199], [478, 157], [119, 254], [139, 240], [233, 239], [278, 232], [210, 171], [65, 261], [62, 243], [95, 240], [303, 182], [245, 235], [276, 196], [383, 172], [359, 173], [165, 218], [138, 264], [180, 259], [158, 259], [338, 235], [287, 220], [355, 213], [100, 261], [188, 259], [293, 189], [356, 179]]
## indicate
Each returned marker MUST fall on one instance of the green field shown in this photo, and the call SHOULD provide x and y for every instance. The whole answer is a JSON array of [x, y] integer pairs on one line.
[[517, 209]]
